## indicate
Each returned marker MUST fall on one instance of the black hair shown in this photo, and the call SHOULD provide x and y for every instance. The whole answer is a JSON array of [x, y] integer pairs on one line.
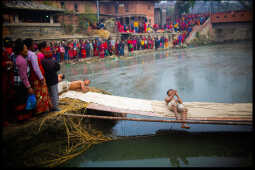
[[18, 46], [7, 42], [42, 45], [168, 91], [28, 42], [63, 77]]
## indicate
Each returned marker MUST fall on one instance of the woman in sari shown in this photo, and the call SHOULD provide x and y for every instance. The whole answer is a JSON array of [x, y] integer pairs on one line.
[[83, 50], [166, 42], [43, 102], [101, 50], [22, 86]]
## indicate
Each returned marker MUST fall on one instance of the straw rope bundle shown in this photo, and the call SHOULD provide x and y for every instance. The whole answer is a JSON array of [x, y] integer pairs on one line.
[[102, 33], [79, 136]]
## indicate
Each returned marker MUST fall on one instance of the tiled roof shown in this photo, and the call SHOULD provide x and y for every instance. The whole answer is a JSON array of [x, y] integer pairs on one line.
[[30, 5]]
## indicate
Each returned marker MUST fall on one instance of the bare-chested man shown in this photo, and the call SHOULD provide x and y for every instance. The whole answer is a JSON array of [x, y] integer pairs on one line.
[[172, 105], [74, 85]]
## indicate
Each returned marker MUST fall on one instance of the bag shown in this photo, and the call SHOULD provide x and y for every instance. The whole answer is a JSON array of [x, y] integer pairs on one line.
[[62, 50], [31, 102]]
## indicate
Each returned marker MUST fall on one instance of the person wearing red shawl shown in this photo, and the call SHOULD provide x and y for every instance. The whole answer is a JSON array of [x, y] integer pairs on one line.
[[83, 50], [144, 27], [145, 44], [70, 51], [129, 42], [101, 50], [105, 47], [119, 26], [43, 101], [134, 43], [75, 49]]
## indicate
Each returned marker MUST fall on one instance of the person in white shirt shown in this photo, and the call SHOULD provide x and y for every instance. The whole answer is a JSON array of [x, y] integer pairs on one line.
[[173, 105]]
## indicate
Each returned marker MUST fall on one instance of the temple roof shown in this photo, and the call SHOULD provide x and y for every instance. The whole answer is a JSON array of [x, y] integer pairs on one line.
[[30, 5]]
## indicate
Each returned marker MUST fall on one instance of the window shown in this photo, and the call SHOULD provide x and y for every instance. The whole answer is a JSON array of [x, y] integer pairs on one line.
[[225, 16], [149, 7], [217, 17], [35, 17], [75, 7], [62, 4]]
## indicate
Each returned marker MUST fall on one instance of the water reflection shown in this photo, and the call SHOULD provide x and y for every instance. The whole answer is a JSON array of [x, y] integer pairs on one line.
[[172, 148]]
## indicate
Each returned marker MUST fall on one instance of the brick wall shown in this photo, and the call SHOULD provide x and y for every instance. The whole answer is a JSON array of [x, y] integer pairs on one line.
[[236, 16], [134, 7]]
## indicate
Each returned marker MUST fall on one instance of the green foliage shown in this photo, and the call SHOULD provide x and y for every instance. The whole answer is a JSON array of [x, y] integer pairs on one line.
[[84, 20]]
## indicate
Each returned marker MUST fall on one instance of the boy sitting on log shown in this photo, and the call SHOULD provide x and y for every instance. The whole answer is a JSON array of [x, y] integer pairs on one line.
[[74, 85], [174, 105]]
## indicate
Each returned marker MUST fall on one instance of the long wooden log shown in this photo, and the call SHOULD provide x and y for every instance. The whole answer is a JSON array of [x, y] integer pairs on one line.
[[158, 120]]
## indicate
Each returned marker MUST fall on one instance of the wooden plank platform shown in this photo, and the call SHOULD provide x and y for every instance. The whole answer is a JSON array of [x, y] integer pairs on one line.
[[200, 111]]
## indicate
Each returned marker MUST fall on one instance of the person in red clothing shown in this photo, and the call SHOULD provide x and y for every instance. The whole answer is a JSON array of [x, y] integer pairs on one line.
[[83, 50], [70, 51], [105, 48], [101, 50], [171, 27], [183, 36], [117, 48], [37, 79], [6, 81], [144, 27], [118, 26]]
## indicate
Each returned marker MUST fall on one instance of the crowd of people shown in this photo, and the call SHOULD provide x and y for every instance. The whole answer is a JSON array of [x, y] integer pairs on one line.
[[29, 74], [30, 68], [63, 51], [185, 23]]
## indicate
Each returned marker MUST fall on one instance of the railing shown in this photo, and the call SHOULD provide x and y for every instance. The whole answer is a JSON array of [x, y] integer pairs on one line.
[[235, 16], [197, 28]]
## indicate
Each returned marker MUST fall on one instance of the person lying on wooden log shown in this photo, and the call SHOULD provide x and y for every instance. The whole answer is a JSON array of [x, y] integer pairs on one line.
[[176, 105], [74, 85]]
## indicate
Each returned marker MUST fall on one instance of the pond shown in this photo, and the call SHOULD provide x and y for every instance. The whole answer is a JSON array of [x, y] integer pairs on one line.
[[213, 73]]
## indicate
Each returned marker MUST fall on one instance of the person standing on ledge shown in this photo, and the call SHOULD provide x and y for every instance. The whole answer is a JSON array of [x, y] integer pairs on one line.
[[51, 67], [172, 104]]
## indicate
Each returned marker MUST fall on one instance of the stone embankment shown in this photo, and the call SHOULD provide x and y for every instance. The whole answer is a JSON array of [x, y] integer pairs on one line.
[[219, 32]]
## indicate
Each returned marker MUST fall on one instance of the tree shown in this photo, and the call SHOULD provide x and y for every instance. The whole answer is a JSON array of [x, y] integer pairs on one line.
[[183, 6]]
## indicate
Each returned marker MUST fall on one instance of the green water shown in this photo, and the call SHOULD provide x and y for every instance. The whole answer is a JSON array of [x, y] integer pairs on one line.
[[214, 73]]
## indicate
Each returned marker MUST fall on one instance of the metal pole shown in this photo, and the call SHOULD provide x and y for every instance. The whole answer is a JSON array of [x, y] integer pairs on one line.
[[98, 10], [166, 121]]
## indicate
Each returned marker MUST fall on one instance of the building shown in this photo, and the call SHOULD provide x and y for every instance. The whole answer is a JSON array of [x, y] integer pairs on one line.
[[37, 18], [163, 12], [27, 19]]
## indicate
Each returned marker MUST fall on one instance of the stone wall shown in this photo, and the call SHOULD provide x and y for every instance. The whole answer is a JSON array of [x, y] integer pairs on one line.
[[232, 31], [220, 32], [35, 31]]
